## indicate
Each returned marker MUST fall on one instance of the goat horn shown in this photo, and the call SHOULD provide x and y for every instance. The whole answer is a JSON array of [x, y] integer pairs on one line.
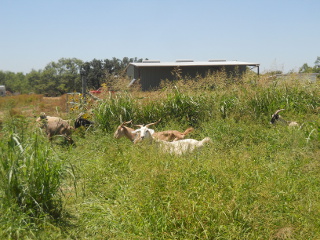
[[150, 124], [139, 126], [81, 114], [124, 123], [277, 112]]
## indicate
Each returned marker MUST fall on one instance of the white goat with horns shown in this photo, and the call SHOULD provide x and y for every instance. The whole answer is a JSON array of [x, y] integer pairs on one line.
[[144, 131]]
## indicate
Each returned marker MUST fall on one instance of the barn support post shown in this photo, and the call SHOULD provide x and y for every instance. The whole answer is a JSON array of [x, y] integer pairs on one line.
[[84, 84]]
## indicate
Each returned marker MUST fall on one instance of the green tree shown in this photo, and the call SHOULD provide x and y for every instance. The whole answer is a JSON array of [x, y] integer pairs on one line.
[[305, 69], [34, 80], [60, 77], [316, 67], [14, 82]]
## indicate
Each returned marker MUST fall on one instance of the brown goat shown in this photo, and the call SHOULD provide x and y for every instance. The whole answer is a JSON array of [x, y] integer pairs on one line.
[[172, 135], [55, 126], [124, 131]]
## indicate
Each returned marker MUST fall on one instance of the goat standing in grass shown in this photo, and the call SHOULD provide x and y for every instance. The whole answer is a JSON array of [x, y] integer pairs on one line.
[[277, 118], [55, 126], [82, 121]]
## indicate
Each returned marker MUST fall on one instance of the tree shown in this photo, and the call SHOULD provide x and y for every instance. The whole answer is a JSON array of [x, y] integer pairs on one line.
[[317, 65], [14, 82], [305, 69], [34, 80], [94, 73]]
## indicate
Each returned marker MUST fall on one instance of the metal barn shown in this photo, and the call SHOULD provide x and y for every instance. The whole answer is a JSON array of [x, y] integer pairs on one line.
[[151, 73], [2, 90]]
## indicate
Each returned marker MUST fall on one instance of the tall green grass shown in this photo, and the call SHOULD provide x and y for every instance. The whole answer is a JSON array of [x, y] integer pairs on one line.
[[244, 100], [30, 180], [255, 181], [30, 176]]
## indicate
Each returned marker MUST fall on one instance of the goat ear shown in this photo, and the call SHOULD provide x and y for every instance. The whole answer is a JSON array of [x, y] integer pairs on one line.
[[151, 131], [136, 131]]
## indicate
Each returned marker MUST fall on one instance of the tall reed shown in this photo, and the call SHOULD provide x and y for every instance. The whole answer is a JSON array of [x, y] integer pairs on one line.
[[30, 176]]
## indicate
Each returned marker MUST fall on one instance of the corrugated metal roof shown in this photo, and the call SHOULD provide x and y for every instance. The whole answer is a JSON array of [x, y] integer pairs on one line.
[[182, 63]]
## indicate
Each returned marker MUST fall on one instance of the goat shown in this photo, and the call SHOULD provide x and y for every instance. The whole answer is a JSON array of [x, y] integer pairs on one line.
[[172, 135], [54, 126], [178, 147], [168, 135], [183, 146], [144, 131], [124, 131], [80, 121], [277, 118]]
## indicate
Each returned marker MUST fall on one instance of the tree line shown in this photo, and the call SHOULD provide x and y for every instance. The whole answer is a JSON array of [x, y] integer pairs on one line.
[[66, 75]]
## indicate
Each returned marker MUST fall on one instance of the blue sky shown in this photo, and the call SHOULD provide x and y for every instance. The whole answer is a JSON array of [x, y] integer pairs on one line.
[[278, 34]]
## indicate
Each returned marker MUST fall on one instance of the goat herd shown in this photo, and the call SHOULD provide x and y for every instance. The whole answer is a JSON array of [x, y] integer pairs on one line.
[[170, 141]]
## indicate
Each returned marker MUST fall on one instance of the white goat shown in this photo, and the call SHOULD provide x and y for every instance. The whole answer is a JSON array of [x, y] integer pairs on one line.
[[55, 126], [178, 147], [277, 118], [183, 146], [144, 131]]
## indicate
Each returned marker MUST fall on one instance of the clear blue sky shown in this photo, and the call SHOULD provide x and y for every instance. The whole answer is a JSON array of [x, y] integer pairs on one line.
[[278, 34]]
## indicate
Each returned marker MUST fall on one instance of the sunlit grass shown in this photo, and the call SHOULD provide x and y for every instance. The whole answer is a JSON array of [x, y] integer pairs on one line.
[[255, 181]]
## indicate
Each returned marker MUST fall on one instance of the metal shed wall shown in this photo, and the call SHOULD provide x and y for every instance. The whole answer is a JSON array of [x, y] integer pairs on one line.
[[151, 75]]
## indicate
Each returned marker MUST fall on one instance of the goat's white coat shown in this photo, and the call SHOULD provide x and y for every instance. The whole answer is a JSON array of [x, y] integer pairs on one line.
[[182, 146]]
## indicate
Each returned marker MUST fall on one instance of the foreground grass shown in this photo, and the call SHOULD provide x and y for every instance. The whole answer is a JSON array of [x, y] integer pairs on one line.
[[259, 182], [255, 181]]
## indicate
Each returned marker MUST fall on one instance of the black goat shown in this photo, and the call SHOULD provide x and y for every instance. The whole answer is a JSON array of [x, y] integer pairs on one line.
[[277, 118], [80, 121]]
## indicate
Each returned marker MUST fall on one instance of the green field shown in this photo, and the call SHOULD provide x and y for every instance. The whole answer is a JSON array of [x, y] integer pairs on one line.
[[254, 181]]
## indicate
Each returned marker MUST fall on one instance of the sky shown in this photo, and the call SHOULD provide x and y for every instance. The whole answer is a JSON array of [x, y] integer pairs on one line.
[[277, 34]]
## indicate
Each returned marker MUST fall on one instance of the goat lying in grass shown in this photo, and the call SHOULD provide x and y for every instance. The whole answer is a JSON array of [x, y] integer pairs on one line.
[[277, 118], [178, 147], [183, 146], [169, 135], [172, 135], [55, 126], [124, 131]]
